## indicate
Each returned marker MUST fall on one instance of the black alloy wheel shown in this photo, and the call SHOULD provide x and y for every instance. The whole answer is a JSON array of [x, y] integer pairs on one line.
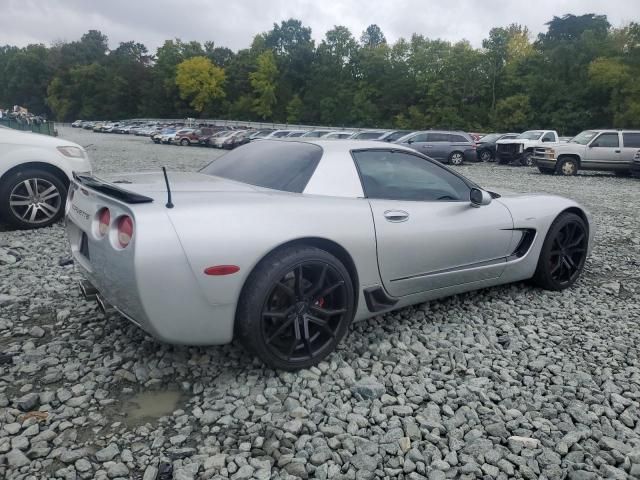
[[486, 155], [296, 307], [564, 253]]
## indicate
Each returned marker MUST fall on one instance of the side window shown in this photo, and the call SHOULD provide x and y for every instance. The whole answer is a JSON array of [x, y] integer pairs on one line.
[[401, 176], [607, 140], [421, 137], [457, 139], [438, 137], [549, 137], [631, 140]]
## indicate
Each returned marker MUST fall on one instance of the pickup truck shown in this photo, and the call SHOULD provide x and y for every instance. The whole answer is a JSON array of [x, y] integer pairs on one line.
[[609, 150], [519, 150]]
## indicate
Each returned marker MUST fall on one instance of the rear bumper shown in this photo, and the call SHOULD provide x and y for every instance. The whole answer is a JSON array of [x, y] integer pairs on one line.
[[152, 286]]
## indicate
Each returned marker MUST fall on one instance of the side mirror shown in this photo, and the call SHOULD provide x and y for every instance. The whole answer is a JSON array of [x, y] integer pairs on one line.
[[479, 197], [409, 141]]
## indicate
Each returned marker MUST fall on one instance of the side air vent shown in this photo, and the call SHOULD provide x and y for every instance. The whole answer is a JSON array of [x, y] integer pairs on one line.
[[528, 234]]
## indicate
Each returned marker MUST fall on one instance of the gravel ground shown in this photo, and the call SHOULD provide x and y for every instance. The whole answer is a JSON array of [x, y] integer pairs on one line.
[[508, 382]]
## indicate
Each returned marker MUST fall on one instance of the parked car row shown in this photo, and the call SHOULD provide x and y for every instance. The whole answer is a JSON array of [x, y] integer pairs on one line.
[[610, 150]]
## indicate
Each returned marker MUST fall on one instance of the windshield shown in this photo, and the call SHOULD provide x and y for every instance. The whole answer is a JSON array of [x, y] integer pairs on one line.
[[492, 137], [583, 137], [530, 135], [279, 165]]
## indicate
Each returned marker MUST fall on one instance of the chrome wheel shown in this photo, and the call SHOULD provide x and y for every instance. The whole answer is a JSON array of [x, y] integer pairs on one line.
[[568, 167], [456, 158], [485, 156], [304, 312], [568, 252], [35, 201]]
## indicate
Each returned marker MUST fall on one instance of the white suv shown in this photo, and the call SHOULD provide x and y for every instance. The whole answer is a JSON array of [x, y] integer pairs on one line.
[[35, 171]]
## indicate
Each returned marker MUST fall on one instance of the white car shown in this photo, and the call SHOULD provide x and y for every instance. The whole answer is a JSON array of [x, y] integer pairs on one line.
[[35, 171]]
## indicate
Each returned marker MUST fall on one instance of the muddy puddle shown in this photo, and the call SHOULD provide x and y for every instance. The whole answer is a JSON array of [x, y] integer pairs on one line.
[[150, 405]]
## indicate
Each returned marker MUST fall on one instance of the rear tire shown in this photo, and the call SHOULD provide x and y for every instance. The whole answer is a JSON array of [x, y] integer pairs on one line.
[[456, 158], [32, 198], [563, 253], [290, 314]]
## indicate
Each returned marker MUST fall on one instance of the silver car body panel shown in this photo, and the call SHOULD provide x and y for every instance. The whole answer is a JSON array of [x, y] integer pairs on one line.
[[158, 281]]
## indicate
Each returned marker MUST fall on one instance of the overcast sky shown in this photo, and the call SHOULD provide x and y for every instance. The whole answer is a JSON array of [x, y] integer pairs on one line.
[[233, 23]]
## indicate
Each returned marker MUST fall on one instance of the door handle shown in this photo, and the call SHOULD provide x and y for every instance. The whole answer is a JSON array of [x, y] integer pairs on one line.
[[396, 216], [617, 151]]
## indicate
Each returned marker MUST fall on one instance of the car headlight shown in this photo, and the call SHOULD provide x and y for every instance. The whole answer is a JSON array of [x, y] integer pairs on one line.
[[520, 147], [551, 152], [72, 152]]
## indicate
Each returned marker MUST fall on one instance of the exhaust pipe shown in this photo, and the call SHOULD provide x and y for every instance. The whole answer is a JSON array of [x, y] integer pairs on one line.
[[104, 306], [87, 289]]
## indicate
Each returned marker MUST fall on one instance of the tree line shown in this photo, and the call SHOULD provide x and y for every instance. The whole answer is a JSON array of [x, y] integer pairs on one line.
[[580, 73]]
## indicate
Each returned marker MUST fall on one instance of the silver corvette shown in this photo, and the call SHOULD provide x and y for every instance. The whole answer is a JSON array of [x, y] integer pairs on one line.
[[281, 244]]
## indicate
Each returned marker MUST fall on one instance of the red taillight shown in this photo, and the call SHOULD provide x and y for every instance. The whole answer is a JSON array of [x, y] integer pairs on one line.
[[104, 220], [221, 270], [125, 231]]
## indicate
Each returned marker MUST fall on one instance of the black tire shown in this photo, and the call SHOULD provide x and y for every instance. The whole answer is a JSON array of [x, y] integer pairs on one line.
[[485, 156], [14, 189], [545, 170], [274, 313], [456, 158], [184, 142], [568, 166], [563, 253], [527, 159]]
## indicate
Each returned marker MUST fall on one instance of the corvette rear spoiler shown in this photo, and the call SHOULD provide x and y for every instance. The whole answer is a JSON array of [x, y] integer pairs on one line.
[[110, 189]]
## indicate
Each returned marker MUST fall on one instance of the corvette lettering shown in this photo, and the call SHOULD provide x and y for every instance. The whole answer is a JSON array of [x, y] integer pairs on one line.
[[81, 213]]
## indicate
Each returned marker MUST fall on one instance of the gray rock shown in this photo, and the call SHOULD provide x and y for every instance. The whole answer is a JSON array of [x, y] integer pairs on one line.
[[216, 462], [108, 453], [17, 459], [82, 465], [150, 473], [117, 469], [368, 388], [364, 462], [28, 402]]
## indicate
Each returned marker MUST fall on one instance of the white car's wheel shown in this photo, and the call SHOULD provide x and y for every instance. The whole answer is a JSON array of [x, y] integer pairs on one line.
[[32, 198]]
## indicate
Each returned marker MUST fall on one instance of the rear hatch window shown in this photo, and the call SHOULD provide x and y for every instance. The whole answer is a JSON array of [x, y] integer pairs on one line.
[[279, 165]]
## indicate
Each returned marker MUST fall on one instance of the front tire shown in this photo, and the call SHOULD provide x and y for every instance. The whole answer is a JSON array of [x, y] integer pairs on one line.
[[527, 160], [32, 198], [563, 253], [456, 158], [295, 307], [568, 166], [486, 156], [184, 142]]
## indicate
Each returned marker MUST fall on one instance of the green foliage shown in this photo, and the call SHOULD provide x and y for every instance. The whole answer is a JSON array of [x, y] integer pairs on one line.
[[264, 83], [580, 73], [294, 109], [200, 81]]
